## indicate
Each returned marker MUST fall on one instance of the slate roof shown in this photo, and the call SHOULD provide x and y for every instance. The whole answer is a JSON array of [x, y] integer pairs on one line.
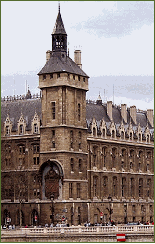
[[28, 107], [14, 108], [59, 26], [58, 64]]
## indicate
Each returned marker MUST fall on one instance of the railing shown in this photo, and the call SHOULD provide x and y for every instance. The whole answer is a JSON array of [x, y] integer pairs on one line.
[[20, 97], [81, 230]]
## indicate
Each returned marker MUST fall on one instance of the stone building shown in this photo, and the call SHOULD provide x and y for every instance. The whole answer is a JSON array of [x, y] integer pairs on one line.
[[65, 158]]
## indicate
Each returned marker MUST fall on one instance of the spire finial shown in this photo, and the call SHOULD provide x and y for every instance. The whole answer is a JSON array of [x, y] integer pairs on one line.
[[59, 6]]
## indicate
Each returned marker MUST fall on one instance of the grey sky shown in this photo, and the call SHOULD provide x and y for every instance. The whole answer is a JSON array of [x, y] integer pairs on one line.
[[116, 38]]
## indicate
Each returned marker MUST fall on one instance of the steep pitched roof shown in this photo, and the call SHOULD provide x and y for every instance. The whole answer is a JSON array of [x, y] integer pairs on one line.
[[59, 64], [27, 107], [59, 26]]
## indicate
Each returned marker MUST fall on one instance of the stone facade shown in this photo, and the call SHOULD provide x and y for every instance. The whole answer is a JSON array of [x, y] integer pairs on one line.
[[65, 158]]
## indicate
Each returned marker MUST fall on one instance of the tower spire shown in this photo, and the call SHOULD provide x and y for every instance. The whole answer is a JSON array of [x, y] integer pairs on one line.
[[59, 35], [58, 6]]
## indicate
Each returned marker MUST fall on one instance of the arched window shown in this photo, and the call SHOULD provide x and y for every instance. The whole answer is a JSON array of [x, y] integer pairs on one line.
[[122, 135], [130, 135], [132, 186], [79, 216], [140, 187], [103, 132], [148, 138], [72, 214], [94, 131], [114, 186], [94, 156], [123, 186], [95, 185], [34, 217], [104, 154], [113, 134], [105, 186]]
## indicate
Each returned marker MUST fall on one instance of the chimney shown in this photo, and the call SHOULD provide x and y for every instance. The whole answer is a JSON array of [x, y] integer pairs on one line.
[[124, 112], [48, 55], [109, 109], [150, 116], [133, 113], [77, 58]]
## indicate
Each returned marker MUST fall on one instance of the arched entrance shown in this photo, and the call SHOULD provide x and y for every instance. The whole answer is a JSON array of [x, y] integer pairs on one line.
[[34, 217], [51, 176], [7, 219]]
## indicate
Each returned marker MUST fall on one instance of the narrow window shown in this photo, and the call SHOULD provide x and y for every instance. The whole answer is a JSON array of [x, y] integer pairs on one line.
[[113, 134], [34, 160], [35, 128], [130, 136], [114, 186], [7, 130], [53, 138], [83, 79], [122, 135], [79, 216], [71, 139], [44, 77], [140, 187], [70, 190], [95, 186], [53, 110], [80, 165], [78, 78], [51, 76], [79, 112], [103, 132], [37, 160], [21, 129], [73, 77], [58, 75], [78, 190], [72, 165]]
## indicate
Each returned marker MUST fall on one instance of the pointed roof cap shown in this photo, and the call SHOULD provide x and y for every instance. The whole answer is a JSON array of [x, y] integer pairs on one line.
[[59, 26]]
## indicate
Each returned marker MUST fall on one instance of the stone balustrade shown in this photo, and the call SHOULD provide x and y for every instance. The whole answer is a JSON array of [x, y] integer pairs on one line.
[[82, 230]]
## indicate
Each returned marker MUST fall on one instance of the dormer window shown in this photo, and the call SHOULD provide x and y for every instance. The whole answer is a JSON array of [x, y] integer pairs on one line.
[[21, 129], [7, 130], [35, 128], [35, 124]]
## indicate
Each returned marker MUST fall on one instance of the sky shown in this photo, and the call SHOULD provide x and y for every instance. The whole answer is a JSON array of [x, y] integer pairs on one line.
[[116, 39]]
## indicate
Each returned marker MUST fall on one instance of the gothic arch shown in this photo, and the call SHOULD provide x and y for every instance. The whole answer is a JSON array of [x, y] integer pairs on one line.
[[51, 178]]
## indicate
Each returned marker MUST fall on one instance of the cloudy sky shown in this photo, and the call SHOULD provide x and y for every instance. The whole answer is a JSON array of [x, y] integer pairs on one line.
[[116, 39]]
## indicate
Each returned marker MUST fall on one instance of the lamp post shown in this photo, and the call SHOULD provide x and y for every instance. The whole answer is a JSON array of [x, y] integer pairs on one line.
[[52, 208], [110, 209]]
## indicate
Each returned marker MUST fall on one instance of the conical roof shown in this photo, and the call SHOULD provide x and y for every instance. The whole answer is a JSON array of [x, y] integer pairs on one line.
[[59, 26]]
